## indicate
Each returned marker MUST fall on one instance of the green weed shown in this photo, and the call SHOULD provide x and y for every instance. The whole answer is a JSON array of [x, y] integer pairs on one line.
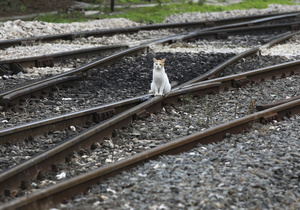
[[158, 13]]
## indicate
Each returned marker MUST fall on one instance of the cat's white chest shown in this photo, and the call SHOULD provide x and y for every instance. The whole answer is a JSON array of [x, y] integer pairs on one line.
[[158, 76]]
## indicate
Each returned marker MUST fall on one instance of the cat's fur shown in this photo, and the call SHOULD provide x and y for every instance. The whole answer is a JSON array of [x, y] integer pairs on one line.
[[160, 84]]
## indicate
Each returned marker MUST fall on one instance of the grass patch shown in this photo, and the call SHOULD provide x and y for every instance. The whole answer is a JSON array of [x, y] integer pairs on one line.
[[62, 17], [158, 13]]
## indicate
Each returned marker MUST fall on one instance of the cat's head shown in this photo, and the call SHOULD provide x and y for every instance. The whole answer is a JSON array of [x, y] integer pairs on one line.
[[158, 64]]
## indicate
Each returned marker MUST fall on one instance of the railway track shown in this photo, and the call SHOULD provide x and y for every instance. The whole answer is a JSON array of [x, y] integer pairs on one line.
[[264, 19], [97, 93], [100, 112], [11, 97], [95, 33], [173, 147], [114, 116], [17, 65]]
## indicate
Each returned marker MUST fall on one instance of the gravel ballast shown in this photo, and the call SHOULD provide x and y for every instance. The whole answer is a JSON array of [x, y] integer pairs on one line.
[[201, 16], [22, 29], [195, 115], [114, 83], [255, 170], [110, 84], [39, 49]]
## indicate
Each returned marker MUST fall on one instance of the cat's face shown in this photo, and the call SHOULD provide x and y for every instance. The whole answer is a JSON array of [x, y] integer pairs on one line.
[[158, 64]]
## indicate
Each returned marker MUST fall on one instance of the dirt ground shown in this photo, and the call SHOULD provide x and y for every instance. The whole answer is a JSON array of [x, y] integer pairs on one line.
[[10, 8]]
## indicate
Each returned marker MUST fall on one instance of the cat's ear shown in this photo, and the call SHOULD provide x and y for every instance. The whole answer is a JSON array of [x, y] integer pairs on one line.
[[154, 59], [163, 60]]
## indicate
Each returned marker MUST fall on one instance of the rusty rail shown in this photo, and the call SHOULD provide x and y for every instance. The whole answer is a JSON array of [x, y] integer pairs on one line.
[[52, 59], [103, 32], [33, 89], [67, 189], [250, 77], [16, 133], [213, 72], [277, 103], [95, 114], [76, 71], [136, 107], [15, 93], [29, 169]]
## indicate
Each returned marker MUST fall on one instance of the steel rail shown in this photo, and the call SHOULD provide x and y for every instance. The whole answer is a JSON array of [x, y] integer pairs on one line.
[[103, 32], [224, 33], [41, 86], [15, 134], [29, 169], [138, 107], [133, 111], [5, 96], [4, 99], [251, 77], [277, 103], [237, 80], [95, 114], [213, 72], [209, 74], [69, 188], [225, 83], [51, 59]]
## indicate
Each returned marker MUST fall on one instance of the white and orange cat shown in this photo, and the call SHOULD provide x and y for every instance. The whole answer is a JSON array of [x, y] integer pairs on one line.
[[160, 84]]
